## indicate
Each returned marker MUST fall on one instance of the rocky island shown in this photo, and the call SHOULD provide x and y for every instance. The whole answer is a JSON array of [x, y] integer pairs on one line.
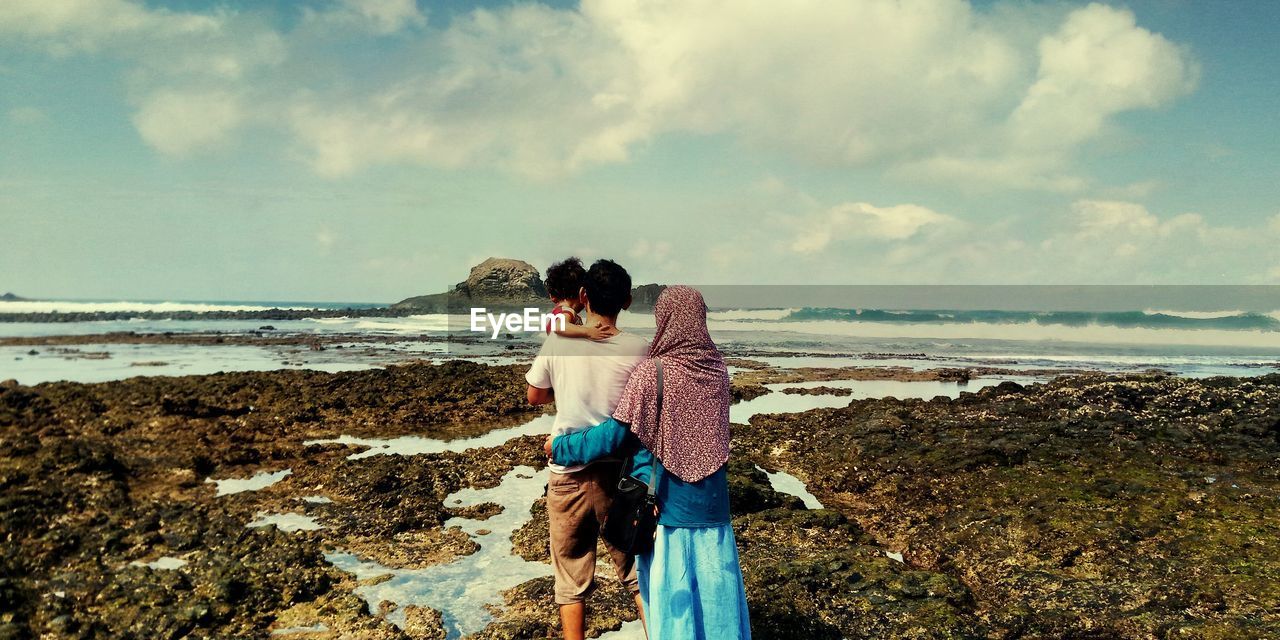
[[505, 284], [497, 283]]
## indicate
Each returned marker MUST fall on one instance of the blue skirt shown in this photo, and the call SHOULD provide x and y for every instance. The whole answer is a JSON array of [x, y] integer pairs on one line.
[[691, 585]]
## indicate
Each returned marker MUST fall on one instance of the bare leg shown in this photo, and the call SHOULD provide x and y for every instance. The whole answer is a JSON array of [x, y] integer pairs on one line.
[[573, 619], [640, 610]]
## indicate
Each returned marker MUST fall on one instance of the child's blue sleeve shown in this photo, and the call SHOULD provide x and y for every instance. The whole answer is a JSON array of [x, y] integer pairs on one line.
[[589, 444]]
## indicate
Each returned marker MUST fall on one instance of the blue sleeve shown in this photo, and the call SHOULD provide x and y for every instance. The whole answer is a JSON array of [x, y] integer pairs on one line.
[[589, 444], [640, 464]]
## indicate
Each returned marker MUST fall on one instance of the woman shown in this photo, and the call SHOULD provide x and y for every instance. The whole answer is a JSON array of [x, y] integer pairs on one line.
[[690, 583]]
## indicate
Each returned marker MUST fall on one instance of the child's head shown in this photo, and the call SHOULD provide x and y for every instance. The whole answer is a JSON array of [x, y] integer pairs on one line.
[[564, 280]]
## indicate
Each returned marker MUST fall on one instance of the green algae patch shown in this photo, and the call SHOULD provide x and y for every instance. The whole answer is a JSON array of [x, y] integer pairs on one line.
[[1093, 506]]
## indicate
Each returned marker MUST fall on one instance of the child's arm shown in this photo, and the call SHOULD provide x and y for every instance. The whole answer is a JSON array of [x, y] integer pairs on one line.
[[596, 332]]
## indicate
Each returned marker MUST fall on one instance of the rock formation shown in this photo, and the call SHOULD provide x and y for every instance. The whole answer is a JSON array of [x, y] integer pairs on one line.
[[645, 296], [504, 284], [496, 283]]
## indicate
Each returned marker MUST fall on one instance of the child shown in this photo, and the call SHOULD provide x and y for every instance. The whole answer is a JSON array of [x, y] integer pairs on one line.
[[564, 281]]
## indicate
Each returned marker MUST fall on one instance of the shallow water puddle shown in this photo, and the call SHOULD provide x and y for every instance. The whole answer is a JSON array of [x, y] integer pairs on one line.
[[318, 627], [417, 445], [166, 562], [260, 480], [630, 631], [287, 522], [783, 482], [461, 589], [778, 402]]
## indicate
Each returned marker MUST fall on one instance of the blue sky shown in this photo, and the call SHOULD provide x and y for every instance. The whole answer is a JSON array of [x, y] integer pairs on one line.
[[370, 150]]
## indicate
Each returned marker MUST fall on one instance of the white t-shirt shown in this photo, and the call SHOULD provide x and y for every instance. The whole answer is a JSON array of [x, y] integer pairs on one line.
[[588, 377]]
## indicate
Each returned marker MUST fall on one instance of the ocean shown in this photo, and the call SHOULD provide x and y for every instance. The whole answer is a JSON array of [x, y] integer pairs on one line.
[[1192, 343]]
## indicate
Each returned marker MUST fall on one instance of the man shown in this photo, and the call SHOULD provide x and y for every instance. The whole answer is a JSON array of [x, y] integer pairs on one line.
[[585, 378]]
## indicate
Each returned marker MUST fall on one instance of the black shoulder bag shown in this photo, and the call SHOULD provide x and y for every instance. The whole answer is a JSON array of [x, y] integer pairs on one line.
[[633, 517]]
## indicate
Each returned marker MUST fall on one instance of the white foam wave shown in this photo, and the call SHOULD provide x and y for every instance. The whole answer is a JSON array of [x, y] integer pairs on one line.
[[1025, 331], [71, 306], [749, 314], [406, 324], [1197, 315]]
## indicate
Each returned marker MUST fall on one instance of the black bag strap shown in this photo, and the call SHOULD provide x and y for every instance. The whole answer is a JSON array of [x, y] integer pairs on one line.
[[653, 470]]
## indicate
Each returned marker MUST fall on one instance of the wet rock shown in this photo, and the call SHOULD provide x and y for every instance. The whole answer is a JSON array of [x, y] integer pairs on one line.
[[746, 363], [532, 540], [1077, 508], [743, 392], [750, 491], [482, 511], [422, 623], [530, 611], [94, 477], [818, 391], [814, 574], [777, 375]]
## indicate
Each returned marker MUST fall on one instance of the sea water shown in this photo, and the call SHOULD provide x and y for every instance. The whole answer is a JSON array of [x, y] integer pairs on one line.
[[1189, 343]]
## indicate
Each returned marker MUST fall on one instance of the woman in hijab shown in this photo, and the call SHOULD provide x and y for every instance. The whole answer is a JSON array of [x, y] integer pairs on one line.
[[691, 582]]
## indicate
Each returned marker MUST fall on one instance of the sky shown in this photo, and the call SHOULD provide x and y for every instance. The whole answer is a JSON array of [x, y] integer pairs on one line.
[[370, 150]]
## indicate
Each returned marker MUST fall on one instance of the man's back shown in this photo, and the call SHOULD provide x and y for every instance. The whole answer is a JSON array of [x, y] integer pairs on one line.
[[588, 377]]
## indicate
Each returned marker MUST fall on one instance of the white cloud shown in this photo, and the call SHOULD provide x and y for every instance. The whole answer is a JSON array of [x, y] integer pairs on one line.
[[928, 89], [179, 122], [65, 26], [863, 221], [932, 89], [1088, 241], [656, 251], [379, 17], [1099, 63], [1117, 241], [387, 16], [1105, 218]]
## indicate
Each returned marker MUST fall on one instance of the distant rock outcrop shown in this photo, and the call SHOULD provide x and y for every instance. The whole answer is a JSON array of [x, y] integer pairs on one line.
[[9, 297], [506, 284], [496, 283], [645, 296], [503, 279]]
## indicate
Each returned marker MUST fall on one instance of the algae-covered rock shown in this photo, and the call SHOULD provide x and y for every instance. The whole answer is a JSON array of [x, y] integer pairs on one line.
[[107, 529], [1092, 506]]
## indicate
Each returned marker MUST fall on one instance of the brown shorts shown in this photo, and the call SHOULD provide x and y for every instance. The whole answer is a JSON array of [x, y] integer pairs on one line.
[[577, 504]]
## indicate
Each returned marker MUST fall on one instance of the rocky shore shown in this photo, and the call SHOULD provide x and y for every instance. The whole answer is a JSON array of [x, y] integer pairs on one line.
[[1088, 507], [262, 314]]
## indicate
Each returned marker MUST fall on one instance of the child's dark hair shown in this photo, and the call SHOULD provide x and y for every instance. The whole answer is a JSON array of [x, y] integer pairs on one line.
[[564, 278], [608, 287]]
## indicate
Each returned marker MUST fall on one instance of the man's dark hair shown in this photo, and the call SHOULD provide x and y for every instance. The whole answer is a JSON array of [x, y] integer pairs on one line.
[[608, 286], [564, 278]]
